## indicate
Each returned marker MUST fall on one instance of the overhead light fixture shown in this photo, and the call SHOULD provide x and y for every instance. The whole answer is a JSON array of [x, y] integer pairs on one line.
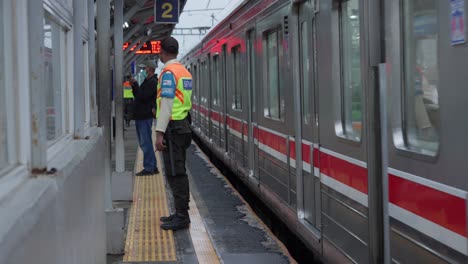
[[126, 25]]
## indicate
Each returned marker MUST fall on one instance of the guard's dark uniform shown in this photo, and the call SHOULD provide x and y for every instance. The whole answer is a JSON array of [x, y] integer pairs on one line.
[[178, 138], [176, 84]]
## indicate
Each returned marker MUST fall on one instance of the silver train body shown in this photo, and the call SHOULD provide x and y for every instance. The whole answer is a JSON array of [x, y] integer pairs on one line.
[[346, 118]]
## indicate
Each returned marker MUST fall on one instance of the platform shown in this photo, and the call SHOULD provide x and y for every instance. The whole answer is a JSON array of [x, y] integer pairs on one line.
[[223, 228]]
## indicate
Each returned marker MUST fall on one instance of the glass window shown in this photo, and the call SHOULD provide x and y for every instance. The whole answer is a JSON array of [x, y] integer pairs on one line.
[[306, 73], [272, 89], [421, 75], [351, 85], [3, 134], [206, 86], [203, 83], [251, 47], [52, 78], [86, 84], [237, 91], [216, 81]]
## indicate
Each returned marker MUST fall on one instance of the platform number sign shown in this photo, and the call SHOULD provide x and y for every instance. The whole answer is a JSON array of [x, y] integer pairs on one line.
[[166, 11]]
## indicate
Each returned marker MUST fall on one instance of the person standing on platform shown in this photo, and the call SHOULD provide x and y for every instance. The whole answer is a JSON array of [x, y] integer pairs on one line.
[[173, 132], [145, 96], [128, 100]]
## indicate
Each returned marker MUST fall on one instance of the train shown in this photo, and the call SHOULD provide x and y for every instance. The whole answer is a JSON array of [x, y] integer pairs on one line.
[[345, 118]]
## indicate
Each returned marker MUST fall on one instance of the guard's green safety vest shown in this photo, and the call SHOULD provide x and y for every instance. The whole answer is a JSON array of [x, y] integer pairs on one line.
[[127, 88], [183, 95]]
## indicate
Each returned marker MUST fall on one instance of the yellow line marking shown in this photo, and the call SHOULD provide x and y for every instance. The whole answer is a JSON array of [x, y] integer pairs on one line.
[[153, 225], [129, 245], [204, 249], [146, 241]]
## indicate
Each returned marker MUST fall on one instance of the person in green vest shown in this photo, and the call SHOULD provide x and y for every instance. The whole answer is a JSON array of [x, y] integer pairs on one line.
[[173, 131], [128, 100]]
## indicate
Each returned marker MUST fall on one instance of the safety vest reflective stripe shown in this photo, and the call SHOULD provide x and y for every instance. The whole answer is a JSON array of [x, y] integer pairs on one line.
[[180, 96], [183, 94]]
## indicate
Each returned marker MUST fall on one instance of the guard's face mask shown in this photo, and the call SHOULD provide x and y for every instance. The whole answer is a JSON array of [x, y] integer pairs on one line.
[[144, 74]]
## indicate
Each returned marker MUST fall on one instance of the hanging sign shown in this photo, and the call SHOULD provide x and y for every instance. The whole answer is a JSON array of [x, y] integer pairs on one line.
[[150, 47], [457, 21], [166, 11]]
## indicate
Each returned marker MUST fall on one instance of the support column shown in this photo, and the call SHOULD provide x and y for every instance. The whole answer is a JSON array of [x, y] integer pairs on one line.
[[92, 63], [78, 73], [118, 79], [115, 218], [37, 90], [122, 181]]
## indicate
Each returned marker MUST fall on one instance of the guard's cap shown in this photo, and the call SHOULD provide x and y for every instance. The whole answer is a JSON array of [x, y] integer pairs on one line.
[[170, 45], [149, 64]]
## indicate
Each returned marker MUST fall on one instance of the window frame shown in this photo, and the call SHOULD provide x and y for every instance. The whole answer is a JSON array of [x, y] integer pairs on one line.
[[278, 30], [396, 82], [341, 122], [306, 82], [62, 78], [216, 80], [236, 79]]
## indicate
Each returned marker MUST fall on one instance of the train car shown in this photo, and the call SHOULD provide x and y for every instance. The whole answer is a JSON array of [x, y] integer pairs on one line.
[[344, 117]]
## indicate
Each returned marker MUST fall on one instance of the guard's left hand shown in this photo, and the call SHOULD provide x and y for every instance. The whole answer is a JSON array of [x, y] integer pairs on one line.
[[160, 141]]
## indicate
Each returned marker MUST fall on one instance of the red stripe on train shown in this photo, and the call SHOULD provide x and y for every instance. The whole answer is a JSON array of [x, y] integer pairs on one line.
[[439, 207], [345, 172], [216, 116]]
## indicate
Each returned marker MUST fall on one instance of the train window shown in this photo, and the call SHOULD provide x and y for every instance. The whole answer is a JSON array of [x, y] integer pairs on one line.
[[271, 93], [216, 81], [306, 73], [237, 89], [3, 131], [350, 70], [252, 66], [53, 35], [420, 75], [195, 81], [203, 83]]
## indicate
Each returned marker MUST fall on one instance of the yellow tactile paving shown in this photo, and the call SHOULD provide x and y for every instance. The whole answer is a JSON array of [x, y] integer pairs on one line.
[[204, 249], [146, 241]]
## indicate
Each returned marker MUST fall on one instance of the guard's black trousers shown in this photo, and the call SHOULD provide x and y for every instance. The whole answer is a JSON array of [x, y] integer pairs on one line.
[[178, 138]]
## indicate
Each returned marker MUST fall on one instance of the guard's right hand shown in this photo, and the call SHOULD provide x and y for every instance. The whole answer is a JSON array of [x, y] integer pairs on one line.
[[160, 141]]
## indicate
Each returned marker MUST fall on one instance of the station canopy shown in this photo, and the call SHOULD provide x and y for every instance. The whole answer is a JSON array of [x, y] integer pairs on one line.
[[141, 34]]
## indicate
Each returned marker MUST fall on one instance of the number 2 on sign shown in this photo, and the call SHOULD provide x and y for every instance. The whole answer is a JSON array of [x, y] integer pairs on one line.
[[167, 7]]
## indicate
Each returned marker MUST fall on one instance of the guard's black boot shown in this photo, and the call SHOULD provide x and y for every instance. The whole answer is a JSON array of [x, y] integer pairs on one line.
[[167, 218], [178, 222]]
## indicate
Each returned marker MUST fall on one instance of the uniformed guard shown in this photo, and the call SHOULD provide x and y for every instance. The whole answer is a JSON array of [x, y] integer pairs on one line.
[[128, 100], [173, 132]]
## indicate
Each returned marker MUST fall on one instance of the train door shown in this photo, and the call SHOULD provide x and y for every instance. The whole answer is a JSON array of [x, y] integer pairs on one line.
[[344, 81], [426, 76], [309, 181], [252, 112], [209, 100], [216, 110]]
